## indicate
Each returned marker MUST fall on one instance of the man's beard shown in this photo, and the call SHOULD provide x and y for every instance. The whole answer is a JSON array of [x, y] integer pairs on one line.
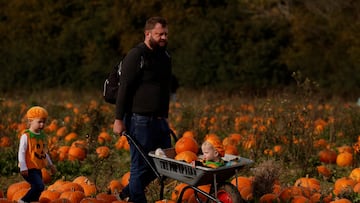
[[156, 45]]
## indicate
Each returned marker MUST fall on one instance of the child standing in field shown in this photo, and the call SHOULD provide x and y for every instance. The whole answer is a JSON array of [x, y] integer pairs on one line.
[[213, 151], [33, 154]]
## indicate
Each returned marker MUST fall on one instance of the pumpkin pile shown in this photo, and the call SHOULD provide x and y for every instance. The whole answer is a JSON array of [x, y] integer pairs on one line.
[[81, 189]]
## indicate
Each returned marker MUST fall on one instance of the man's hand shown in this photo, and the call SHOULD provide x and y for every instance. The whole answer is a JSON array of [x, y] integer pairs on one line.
[[24, 173], [118, 127]]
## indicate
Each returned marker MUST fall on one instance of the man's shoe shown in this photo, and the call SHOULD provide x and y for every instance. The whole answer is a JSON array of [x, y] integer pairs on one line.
[[122, 196]]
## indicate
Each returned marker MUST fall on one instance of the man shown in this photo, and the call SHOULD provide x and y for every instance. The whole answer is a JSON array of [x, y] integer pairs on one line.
[[142, 103]]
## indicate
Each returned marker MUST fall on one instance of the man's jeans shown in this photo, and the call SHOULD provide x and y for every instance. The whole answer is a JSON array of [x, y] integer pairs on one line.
[[150, 133]]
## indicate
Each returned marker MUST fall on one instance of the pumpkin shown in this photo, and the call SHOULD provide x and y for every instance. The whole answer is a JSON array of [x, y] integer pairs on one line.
[[343, 184], [115, 186], [178, 189], [269, 198], [289, 192], [73, 196], [4, 200], [299, 199], [63, 152], [49, 195], [323, 170], [5, 141], [203, 198], [89, 188], [187, 156], [19, 194], [344, 159], [60, 132], [13, 188], [103, 152], [189, 133], [106, 197], [356, 187], [231, 149], [242, 182], [312, 183], [70, 186], [246, 193], [342, 200], [70, 137], [327, 156], [92, 200], [186, 144], [125, 179], [355, 174], [57, 184], [76, 153], [61, 200], [80, 180], [104, 137]]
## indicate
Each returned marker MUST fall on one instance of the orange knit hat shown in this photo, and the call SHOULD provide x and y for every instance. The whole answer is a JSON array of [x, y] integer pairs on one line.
[[217, 144], [36, 112]]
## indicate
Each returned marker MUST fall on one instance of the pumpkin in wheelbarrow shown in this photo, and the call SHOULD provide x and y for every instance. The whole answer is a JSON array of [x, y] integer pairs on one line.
[[186, 144], [187, 156]]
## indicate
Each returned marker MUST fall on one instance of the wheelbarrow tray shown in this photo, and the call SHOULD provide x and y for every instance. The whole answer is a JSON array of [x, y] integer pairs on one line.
[[196, 175]]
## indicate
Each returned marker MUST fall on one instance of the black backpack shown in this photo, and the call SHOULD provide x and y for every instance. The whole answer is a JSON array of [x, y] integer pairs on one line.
[[112, 83]]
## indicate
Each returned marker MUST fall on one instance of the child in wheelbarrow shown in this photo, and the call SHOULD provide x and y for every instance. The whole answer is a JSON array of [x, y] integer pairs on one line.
[[213, 151]]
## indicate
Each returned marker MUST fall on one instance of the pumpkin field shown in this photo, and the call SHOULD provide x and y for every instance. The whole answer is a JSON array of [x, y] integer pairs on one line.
[[305, 148]]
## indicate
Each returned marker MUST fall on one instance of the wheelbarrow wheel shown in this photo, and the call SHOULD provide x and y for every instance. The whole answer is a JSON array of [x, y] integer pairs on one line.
[[228, 193]]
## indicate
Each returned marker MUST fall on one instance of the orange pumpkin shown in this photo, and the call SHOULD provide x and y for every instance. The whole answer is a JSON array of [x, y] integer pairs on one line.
[[323, 170], [187, 156], [178, 189], [57, 184], [70, 186], [355, 174], [299, 199], [4, 200], [327, 156], [186, 144], [125, 179], [106, 197], [312, 183], [5, 141], [94, 200], [344, 159], [203, 198], [104, 137], [73, 196], [103, 152], [342, 200], [269, 198], [19, 194], [242, 182], [49, 195], [76, 153], [13, 188], [115, 186], [343, 184], [63, 152]]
